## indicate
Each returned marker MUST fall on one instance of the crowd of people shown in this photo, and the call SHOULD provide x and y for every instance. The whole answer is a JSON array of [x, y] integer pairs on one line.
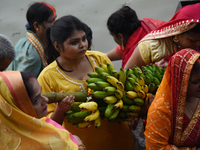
[[56, 56]]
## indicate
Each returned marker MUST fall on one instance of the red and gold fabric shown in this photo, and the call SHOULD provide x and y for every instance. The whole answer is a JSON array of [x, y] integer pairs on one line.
[[165, 119]]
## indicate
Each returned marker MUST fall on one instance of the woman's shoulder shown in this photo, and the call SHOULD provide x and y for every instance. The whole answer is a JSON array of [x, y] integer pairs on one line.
[[48, 70], [95, 53]]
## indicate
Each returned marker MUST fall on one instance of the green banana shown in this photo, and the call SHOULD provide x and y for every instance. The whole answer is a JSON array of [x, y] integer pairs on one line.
[[69, 113], [92, 80], [152, 88], [115, 74], [162, 70], [128, 86], [122, 114], [139, 101], [110, 68], [131, 80], [133, 76], [127, 100], [103, 75], [156, 81], [81, 114], [104, 66], [147, 80], [139, 74], [125, 108], [99, 70], [99, 94], [129, 71], [138, 68], [102, 84], [110, 99], [94, 87], [134, 108], [122, 75], [118, 94], [132, 115], [93, 75], [114, 115], [110, 90], [76, 121], [109, 110], [157, 74], [75, 108]]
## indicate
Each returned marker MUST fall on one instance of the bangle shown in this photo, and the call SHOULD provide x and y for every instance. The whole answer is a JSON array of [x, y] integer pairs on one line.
[[81, 146]]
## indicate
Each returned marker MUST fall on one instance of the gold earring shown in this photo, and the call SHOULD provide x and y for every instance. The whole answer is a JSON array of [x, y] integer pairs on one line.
[[175, 39], [37, 29]]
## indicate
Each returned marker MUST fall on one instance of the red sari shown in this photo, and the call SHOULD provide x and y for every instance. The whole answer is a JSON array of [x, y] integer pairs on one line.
[[185, 19], [167, 128], [147, 25]]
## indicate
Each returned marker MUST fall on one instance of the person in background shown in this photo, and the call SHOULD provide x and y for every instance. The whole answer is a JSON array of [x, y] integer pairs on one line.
[[52, 55], [22, 111], [7, 52], [29, 49], [68, 73], [182, 31], [127, 30], [173, 120]]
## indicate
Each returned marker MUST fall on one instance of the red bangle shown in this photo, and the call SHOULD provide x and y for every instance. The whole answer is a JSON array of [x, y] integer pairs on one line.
[[81, 147]]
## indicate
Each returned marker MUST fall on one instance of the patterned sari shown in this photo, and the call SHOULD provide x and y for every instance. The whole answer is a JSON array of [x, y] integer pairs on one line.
[[165, 120], [20, 127]]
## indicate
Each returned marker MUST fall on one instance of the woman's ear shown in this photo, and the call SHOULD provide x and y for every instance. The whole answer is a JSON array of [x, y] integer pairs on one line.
[[57, 46], [120, 36], [36, 26]]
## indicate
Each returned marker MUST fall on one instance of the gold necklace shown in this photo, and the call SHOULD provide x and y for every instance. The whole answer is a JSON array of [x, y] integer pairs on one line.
[[189, 109]]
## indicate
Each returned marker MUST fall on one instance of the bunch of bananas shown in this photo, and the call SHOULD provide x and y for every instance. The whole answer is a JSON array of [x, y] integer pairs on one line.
[[117, 95]]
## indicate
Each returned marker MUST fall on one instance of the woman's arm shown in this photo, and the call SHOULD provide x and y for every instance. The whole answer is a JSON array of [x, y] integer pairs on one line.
[[135, 59], [112, 55], [61, 108]]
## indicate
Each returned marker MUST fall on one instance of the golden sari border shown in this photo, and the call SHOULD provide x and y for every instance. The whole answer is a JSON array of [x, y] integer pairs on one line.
[[38, 46], [171, 30], [178, 138]]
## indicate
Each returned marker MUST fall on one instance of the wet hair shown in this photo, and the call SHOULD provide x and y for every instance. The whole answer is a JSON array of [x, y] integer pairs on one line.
[[124, 21], [6, 48], [38, 12], [196, 67], [26, 76], [194, 30], [88, 33], [61, 30]]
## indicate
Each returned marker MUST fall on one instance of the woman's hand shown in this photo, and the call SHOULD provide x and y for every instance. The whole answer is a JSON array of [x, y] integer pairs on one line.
[[61, 108], [66, 104]]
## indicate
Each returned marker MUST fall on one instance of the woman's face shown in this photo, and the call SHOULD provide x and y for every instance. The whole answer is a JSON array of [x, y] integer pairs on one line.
[[75, 46], [189, 40], [194, 85], [39, 101]]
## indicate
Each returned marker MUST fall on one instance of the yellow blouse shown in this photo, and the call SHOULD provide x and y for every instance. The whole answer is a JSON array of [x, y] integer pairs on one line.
[[154, 50], [109, 135]]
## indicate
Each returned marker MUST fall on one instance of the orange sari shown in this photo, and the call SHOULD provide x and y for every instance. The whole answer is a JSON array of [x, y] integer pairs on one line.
[[165, 119], [20, 127]]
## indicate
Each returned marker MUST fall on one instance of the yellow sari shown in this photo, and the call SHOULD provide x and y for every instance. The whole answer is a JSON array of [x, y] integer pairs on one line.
[[20, 127]]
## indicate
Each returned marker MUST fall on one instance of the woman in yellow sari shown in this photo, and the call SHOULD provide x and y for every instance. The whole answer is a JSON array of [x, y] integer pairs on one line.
[[173, 120], [20, 126]]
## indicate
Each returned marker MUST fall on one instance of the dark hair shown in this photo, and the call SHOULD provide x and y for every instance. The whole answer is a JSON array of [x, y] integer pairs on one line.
[[26, 76], [124, 21], [61, 29], [88, 33], [38, 12], [196, 67], [194, 30]]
